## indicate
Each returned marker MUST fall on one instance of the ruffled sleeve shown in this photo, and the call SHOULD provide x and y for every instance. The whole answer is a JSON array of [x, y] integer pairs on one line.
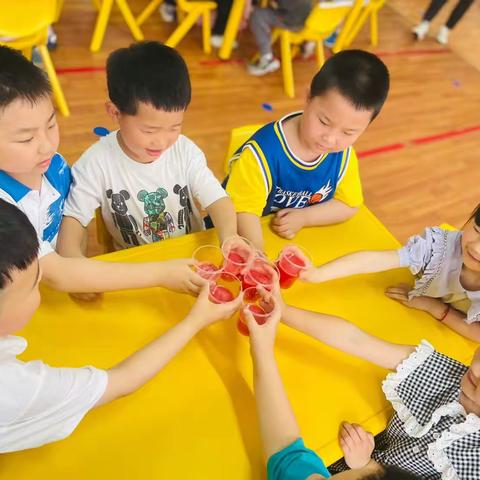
[[425, 251]]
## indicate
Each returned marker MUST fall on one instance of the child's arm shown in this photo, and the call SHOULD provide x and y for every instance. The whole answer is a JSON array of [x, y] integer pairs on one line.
[[222, 213], [278, 425], [338, 333], [87, 275], [353, 264], [72, 238], [289, 221], [249, 226], [139, 368], [438, 309]]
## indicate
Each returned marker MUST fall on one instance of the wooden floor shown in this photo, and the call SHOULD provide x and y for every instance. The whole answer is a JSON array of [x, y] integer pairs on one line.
[[431, 176]]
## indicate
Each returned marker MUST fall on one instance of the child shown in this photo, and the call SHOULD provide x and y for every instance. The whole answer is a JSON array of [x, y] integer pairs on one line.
[[145, 176], [305, 159], [421, 30], [40, 404], [435, 432], [446, 265], [36, 179], [290, 14], [288, 458]]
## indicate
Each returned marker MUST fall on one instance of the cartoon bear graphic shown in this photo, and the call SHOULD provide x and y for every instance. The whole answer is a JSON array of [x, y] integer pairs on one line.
[[158, 223], [123, 221], [186, 211]]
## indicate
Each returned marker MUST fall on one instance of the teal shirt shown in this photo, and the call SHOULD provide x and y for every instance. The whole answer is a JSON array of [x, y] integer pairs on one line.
[[295, 462]]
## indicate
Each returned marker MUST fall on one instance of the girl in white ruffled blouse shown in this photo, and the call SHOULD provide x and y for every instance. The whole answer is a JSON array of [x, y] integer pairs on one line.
[[446, 265], [435, 431]]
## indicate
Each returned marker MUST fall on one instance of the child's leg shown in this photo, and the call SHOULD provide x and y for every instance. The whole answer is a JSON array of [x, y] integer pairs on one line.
[[458, 13], [433, 9], [262, 21], [223, 11]]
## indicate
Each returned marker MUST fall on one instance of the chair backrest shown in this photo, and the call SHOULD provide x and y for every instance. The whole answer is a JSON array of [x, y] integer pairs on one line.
[[23, 18], [238, 136], [327, 16]]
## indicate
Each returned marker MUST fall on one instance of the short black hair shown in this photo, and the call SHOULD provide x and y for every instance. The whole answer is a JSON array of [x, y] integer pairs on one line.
[[148, 72], [20, 78], [18, 240], [389, 472], [475, 216], [359, 76]]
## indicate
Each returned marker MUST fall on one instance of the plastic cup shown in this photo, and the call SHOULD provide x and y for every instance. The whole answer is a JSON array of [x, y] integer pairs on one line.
[[209, 259], [260, 272], [291, 261], [225, 288], [238, 252], [258, 307]]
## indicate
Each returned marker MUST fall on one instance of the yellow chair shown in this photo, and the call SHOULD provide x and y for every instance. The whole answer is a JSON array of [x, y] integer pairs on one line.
[[105, 9], [190, 12], [371, 9], [320, 24], [238, 136], [23, 26]]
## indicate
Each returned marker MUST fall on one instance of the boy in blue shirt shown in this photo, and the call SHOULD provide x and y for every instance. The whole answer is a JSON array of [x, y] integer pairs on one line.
[[35, 178], [303, 167]]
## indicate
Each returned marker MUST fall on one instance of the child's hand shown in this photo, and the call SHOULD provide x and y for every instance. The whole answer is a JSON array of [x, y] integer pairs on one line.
[[400, 293], [86, 297], [207, 312], [178, 275], [263, 336], [310, 275], [357, 445], [288, 222]]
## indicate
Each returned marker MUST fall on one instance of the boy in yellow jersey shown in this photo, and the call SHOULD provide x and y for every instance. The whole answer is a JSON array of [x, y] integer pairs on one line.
[[303, 167]]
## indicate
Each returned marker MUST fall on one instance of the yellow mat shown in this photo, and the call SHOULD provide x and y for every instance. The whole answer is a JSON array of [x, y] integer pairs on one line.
[[197, 417]]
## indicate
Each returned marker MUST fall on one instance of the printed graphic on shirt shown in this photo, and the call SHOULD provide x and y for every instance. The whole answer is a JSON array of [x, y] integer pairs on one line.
[[295, 199], [123, 221], [158, 223], [186, 210]]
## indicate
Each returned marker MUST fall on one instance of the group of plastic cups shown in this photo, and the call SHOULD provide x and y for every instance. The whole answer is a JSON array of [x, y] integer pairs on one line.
[[237, 267]]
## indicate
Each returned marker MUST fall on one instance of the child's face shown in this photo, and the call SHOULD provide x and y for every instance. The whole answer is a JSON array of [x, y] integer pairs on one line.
[[28, 136], [331, 123], [471, 246], [149, 133], [470, 385], [19, 299]]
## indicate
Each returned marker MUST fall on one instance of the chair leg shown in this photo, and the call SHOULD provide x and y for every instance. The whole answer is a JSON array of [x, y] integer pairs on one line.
[[177, 36], [206, 31], [320, 54], [357, 26], [52, 76], [27, 53], [287, 67], [101, 25], [348, 25], [147, 11], [130, 20], [231, 29], [374, 28]]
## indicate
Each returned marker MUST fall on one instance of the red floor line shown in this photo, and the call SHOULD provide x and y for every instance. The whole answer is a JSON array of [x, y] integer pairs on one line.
[[379, 150], [445, 135], [64, 71]]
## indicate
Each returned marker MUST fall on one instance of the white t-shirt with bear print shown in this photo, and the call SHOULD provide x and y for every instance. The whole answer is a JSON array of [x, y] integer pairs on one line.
[[142, 203]]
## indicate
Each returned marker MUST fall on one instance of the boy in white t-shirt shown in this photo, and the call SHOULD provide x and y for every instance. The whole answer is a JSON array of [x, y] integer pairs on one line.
[[35, 178], [146, 177], [40, 404]]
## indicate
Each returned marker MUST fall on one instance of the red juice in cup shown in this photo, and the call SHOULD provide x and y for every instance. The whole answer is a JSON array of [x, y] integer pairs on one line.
[[291, 262], [208, 261], [261, 272], [238, 252], [225, 289]]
